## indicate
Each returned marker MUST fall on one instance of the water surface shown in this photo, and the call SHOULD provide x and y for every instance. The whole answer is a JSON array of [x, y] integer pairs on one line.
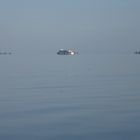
[[81, 97]]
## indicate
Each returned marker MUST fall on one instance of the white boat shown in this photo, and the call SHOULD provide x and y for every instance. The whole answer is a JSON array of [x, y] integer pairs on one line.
[[66, 52]]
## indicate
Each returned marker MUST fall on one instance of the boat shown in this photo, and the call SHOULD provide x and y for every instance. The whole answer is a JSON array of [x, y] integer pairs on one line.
[[66, 52], [137, 52], [5, 53]]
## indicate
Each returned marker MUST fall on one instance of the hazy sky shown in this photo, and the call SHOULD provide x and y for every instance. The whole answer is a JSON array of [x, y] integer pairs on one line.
[[92, 25]]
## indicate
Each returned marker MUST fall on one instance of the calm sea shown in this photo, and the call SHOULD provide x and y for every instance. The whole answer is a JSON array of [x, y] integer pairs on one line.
[[81, 97]]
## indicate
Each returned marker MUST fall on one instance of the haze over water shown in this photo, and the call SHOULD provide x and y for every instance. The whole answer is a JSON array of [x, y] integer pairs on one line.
[[92, 95]]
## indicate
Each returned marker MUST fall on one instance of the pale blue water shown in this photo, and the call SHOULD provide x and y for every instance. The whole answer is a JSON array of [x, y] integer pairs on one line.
[[81, 97]]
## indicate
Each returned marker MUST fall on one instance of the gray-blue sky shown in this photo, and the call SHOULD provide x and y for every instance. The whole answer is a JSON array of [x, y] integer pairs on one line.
[[94, 25]]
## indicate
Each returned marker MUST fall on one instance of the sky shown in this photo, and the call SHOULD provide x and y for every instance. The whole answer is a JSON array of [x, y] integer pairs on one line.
[[85, 25]]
